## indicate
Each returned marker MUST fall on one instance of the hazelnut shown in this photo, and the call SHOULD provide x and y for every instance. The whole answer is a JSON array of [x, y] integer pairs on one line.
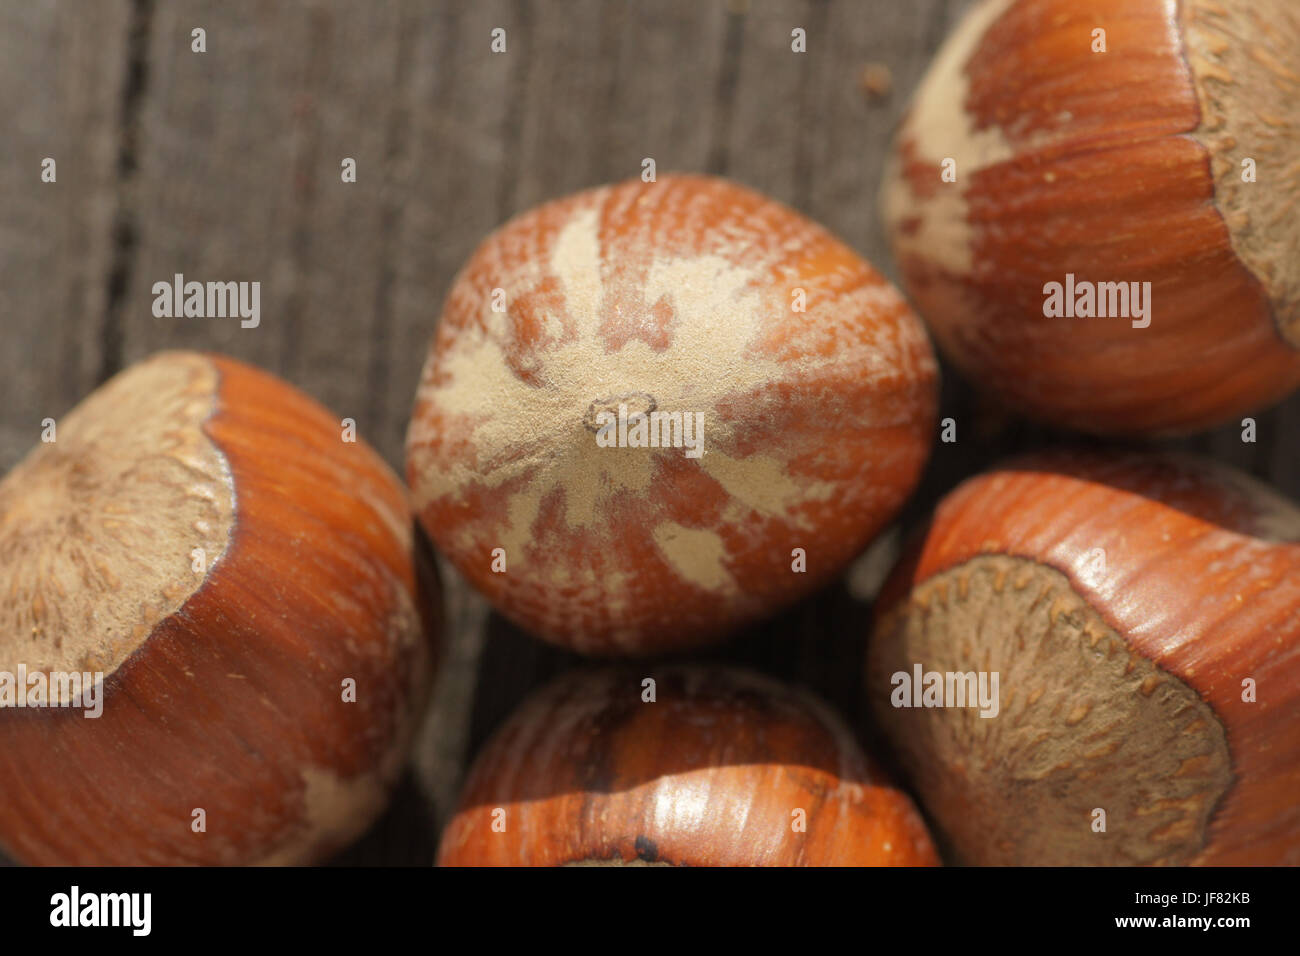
[[696, 766], [788, 390], [1142, 615], [1093, 206], [200, 536]]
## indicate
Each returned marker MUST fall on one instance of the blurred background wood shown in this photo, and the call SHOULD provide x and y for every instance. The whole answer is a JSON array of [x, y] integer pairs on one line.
[[226, 165]]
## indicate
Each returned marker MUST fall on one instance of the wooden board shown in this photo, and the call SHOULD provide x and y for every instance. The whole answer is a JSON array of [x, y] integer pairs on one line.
[[226, 165], [65, 79]]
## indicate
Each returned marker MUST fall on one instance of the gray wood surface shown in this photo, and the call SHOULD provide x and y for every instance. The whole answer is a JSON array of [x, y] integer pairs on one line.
[[225, 165]]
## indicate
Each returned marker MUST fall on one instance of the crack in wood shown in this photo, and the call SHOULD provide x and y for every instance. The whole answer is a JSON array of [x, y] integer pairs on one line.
[[125, 235]]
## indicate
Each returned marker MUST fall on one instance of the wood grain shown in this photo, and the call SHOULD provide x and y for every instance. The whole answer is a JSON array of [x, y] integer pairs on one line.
[[65, 70]]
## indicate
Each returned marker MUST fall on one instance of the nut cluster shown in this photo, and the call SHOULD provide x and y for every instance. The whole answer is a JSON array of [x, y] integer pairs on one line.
[[656, 412]]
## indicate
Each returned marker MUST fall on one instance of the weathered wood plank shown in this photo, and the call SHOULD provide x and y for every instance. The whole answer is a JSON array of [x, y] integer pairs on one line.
[[564, 110], [765, 142], [667, 60], [239, 179], [63, 70]]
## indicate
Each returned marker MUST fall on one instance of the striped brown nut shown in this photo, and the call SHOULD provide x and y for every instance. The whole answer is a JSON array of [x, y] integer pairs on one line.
[[644, 398], [1139, 616], [694, 766], [1094, 207], [235, 586]]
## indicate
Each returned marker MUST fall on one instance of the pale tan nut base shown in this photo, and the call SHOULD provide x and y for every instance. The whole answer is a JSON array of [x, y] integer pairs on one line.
[[1084, 724]]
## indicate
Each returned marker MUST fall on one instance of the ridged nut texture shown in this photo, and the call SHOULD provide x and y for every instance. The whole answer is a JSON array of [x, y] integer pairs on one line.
[[1172, 158], [681, 766], [1142, 613], [808, 382], [201, 535]]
